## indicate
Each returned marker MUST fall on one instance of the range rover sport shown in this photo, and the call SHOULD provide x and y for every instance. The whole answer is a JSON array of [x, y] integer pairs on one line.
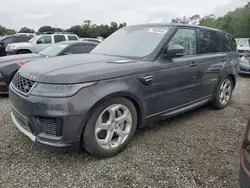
[[138, 75]]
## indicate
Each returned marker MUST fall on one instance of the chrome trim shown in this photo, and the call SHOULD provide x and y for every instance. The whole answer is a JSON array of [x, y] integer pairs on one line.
[[20, 92], [30, 135]]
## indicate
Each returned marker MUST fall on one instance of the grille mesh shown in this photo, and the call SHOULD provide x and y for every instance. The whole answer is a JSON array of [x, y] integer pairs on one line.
[[21, 120], [48, 125], [22, 84]]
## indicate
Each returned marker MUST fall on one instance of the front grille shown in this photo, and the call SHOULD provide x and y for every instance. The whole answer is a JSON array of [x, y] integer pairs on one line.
[[243, 51], [22, 84], [244, 70], [21, 120], [48, 125]]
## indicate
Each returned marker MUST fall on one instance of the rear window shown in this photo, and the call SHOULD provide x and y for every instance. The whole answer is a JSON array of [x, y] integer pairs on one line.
[[209, 41], [59, 38], [22, 39], [225, 44], [72, 37]]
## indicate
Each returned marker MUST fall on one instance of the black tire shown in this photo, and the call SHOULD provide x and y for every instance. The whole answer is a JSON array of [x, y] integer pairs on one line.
[[23, 52], [216, 103], [89, 142]]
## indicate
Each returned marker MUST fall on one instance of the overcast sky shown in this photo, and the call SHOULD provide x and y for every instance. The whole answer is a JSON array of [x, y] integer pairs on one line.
[[65, 13]]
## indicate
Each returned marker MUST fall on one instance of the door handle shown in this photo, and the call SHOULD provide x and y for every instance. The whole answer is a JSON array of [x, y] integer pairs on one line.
[[193, 64], [222, 59]]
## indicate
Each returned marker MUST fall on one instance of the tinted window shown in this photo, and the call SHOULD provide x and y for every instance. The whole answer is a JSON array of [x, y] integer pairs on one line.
[[22, 39], [9, 40], [80, 48], [59, 38], [187, 39], [45, 40], [209, 42], [72, 37], [232, 42], [225, 45]]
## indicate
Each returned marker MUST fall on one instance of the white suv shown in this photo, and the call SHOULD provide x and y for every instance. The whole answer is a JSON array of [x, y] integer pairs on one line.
[[38, 43]]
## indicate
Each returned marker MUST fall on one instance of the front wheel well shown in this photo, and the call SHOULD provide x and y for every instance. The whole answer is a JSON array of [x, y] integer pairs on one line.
[[233, 79], [23, 50]]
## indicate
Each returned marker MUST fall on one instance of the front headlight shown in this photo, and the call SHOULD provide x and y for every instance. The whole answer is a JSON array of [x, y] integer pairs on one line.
[[245, 60], [12, 47], [58, 90]]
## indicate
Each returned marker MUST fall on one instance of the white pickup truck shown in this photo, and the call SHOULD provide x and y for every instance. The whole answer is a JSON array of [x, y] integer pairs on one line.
[[38, 43]]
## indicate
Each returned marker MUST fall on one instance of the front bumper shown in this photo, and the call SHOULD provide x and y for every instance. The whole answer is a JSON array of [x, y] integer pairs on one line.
[[54, 122], [3, 87], [244, 69], [245, 169], [11, 52]]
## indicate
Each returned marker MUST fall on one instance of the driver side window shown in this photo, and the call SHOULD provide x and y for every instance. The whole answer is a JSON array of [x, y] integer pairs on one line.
[[187, 39], [44, 40]]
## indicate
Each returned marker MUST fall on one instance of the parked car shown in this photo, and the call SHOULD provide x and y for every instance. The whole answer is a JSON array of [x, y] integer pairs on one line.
[[38, 43], [4, 41], [245, 64], [9, 65], [243, 46], [140, 74], [26, 34], [245, 159]]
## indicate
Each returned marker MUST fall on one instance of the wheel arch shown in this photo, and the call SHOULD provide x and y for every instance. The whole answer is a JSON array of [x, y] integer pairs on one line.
[[133, 98], [28, 50]]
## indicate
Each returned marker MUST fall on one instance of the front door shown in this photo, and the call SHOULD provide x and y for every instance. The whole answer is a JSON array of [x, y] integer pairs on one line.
[[43, 42], [175, 79]]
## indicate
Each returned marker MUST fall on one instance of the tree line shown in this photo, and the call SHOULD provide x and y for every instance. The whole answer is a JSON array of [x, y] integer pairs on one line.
[[87, 29], [236, 22]]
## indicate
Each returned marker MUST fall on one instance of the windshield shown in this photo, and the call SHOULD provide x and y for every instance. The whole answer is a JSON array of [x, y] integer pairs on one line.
[[137, 41], [243, 41], [34, 39], [53, 50]]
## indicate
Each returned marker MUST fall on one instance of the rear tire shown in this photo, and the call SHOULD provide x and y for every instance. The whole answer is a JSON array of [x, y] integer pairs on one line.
[[223, 94], [110, 128], [23, 52]]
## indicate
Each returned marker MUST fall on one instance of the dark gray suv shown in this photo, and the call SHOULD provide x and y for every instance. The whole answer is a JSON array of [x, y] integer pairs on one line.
[[138, 75]]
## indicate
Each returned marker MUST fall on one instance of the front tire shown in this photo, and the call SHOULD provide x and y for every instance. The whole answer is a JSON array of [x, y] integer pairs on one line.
[[224, 94], [110, 128]]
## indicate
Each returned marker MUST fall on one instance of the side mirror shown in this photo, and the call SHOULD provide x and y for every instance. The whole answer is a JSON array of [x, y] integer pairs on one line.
[[174, 51], [39, 42], [1, 43]]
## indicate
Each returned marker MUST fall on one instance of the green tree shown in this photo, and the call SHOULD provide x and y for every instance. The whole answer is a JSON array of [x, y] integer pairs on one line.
[[26, 30], [46, 29]]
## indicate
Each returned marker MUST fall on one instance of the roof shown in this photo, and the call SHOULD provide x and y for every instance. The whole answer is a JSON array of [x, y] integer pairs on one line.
[[78, 42], [175, 24]]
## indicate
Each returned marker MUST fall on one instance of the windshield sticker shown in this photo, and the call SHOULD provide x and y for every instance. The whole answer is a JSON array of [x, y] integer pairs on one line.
[[158, 31]]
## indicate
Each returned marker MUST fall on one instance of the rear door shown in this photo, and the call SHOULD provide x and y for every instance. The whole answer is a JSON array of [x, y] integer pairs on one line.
[[211, 61], [59, 38], [175, 79]]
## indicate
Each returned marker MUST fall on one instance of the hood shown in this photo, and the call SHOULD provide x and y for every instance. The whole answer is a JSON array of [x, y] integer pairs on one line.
[[243, 48], [21, 44], [82, 68], [13, 59]]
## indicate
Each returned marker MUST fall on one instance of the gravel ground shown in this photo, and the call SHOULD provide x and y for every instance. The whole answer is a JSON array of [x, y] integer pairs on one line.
[[196, 149]]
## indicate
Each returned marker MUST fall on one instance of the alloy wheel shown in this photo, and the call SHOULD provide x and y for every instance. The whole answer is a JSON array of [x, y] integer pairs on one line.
[[225, 91], [113, 126]]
